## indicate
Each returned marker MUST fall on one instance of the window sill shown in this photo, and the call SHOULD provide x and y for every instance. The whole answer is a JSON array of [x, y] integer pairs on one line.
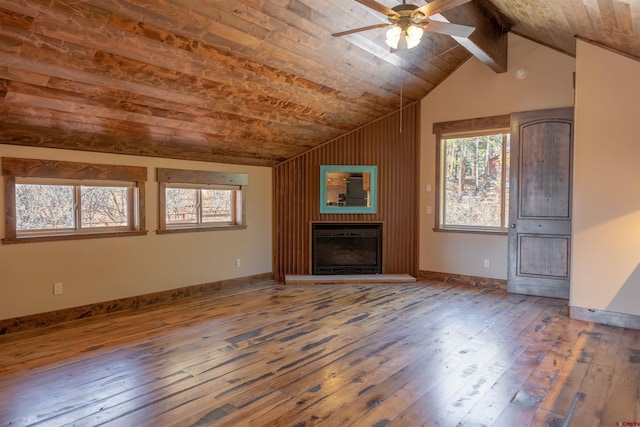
[[496, 232], [78, 236], [198, 229]]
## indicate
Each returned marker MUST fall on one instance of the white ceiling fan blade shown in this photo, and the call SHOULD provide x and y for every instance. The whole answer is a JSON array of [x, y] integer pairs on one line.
[[438, 6], [447, 28]]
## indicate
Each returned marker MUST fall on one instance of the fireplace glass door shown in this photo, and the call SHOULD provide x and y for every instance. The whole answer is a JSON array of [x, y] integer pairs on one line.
[[347, 248]]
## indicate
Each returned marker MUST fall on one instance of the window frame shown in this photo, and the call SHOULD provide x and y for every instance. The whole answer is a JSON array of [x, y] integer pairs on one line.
[[469, 127], [76, 174], [194, 179]]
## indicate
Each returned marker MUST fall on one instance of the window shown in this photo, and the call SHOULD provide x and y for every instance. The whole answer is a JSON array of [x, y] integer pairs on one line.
[[200, 200], [55, 200], [473, 175], [200, 206]]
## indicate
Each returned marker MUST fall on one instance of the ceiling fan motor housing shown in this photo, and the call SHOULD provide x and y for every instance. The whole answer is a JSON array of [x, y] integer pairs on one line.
[[405, 15]]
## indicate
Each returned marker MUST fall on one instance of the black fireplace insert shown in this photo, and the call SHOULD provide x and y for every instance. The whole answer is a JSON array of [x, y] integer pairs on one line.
[[346, 248]]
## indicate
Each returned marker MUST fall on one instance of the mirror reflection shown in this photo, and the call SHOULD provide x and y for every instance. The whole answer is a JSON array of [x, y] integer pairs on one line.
[[347, 189]]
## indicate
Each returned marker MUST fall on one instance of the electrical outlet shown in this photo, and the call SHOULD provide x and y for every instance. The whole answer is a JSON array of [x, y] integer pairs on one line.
[[237, 262], [428, 209], [487, 263], [57, 288]]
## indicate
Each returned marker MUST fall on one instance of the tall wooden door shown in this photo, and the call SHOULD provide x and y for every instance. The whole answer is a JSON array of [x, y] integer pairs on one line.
[[540, 202]]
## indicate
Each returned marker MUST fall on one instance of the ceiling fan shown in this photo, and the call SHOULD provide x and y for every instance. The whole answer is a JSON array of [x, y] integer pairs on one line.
[[411, 21]]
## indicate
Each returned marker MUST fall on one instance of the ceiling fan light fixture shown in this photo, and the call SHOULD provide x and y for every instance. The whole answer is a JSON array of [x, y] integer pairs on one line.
[[414, 35], [393, 36], [410, 21]]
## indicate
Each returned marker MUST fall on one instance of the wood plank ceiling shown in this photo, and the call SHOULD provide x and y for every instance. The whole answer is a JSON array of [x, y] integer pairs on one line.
[[246, 82]]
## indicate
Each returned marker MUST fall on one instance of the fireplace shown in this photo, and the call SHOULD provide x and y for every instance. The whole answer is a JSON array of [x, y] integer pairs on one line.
[[346, 248]]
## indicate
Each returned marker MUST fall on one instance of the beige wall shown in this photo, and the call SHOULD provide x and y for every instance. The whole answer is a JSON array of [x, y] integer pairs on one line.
[[472, 91], [604, 276], [606, 200], [105, 269]]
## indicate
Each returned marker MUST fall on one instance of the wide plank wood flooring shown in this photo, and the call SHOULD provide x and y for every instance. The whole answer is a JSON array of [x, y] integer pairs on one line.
[[418, 354]]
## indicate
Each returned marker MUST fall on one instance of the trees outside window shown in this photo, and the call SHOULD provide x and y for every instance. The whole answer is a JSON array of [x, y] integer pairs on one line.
[[472, 175], [201, 200], [106, 206], [44, 207], [475, 186], [200, 206], [56, 200], [47, 206]]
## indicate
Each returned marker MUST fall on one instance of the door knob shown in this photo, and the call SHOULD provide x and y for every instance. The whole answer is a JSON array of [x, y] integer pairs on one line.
[[512, 226]]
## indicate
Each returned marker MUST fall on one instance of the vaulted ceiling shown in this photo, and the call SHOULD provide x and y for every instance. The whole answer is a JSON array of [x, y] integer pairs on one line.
[[250, 82]]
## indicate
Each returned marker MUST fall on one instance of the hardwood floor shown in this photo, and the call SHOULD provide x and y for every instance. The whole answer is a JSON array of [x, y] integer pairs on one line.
[[328, 355]]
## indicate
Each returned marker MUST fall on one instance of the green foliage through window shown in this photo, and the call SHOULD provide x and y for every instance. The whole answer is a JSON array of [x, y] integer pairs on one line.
[[474, 181]]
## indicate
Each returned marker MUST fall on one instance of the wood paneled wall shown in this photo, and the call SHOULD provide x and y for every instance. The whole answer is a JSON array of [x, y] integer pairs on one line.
[[391, 143]]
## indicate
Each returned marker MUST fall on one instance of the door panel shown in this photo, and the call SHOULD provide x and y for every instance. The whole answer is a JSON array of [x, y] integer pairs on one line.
[[543, 256], [546, 162], [540, 203]]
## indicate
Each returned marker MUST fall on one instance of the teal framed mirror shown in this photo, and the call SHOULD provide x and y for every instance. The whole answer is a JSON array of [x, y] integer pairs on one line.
[[348, 189]]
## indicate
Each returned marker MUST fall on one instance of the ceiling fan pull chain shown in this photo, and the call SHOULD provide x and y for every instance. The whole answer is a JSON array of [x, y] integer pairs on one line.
[[401, 88]]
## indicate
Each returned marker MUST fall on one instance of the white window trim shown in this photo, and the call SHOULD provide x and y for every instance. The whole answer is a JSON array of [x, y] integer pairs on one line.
[[79, 228], [199, 222]]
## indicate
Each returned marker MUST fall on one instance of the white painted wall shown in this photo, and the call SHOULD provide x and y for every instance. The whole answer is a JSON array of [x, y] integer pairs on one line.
[[606, 198], [98, 270], [472, 91]]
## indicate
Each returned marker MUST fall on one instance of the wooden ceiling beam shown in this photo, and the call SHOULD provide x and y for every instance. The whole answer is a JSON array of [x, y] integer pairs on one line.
[[488, 42]]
